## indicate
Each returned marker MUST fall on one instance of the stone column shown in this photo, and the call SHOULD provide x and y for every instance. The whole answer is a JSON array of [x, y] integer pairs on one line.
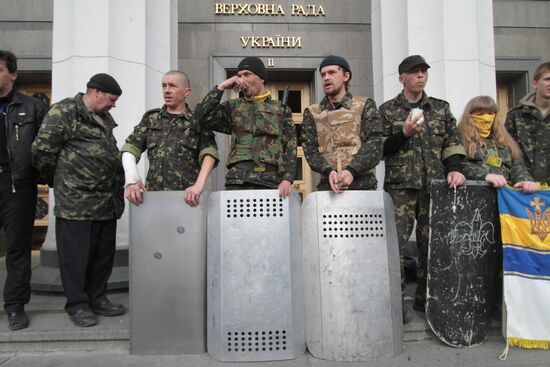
[[455, 37], [135, 41]]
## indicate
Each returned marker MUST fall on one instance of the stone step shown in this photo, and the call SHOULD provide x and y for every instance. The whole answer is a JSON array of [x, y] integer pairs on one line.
[[52, 331]]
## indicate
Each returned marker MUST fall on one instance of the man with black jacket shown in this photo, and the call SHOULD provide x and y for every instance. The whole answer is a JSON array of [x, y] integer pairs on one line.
[[20, 118]]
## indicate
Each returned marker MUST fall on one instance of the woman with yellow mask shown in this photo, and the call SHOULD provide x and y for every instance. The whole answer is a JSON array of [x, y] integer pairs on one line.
[[491, 153]]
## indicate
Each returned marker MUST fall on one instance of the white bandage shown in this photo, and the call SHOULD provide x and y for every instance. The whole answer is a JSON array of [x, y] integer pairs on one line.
[[130, 169]]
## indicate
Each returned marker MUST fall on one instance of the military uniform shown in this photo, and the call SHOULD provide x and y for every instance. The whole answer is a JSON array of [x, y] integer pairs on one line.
[[175, 148], [263, 139], [411, 166], [348, 135], [532, 132], [479, 165], [76, 151]]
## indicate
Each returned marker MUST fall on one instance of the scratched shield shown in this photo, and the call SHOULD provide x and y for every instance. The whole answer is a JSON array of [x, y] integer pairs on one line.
[[464, 251]]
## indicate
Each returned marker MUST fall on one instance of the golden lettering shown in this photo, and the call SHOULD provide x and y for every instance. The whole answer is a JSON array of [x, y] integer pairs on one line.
[[271, 42], [308, 10], [248, 9], [270, 63], [244, 41]]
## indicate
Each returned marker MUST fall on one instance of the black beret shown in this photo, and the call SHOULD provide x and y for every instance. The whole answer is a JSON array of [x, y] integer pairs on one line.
[[255, 65], [411, 63], [336, 60], [105, 83]]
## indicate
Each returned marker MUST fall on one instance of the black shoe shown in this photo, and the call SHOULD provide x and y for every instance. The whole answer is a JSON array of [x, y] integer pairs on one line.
[[106, 308], [17, 320], [83, 317]]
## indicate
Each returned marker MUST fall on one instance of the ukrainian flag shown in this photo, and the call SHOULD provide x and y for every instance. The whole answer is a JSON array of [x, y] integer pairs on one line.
[[525, 224]]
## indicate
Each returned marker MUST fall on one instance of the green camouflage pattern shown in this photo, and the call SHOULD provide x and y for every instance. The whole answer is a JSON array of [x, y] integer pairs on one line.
[[261, 132], [366, 144], [477, 168], [406, 203], [420, 159], [532, 132], [79, 154], [175, 148]]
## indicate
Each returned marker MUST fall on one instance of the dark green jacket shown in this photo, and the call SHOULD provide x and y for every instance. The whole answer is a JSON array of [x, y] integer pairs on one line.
[[477, 168], [262, 133], [175, 148], [79, 154], [421, 157], [526, 125]]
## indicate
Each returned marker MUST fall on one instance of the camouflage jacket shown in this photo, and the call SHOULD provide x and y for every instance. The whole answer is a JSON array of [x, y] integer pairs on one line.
[[367, 153], [476, 167], [261, 133], [532, 132], [80, 155], [175, 148], [421, 157]]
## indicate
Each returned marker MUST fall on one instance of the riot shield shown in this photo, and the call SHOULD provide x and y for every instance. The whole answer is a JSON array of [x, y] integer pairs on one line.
[[254, 292], [167, 275], [462, 261], [351, 276]]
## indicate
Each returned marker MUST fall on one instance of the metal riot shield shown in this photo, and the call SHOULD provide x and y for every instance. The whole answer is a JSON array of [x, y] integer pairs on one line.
[[462, 261], [254, 292], [351, 276], [167, 275]]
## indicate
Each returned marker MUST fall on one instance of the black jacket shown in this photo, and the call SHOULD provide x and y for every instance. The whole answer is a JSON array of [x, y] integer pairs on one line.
[[23, 118]]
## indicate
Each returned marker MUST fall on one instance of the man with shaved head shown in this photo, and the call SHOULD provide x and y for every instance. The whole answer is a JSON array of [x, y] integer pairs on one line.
[[181, 155]]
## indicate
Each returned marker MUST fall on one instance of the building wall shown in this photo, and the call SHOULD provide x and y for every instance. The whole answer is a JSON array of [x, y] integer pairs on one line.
[[206, 38], [522, 36], [26, 29]]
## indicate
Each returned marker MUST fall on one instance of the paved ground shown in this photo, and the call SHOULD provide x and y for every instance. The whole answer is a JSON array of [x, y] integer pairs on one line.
[[415, 354], [52, 340]]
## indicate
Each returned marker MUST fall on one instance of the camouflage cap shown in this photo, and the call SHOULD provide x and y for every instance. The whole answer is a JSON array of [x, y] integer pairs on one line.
[[412, 62]]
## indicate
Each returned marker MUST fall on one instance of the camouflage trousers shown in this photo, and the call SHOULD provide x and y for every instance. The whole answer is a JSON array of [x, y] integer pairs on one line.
[[411, 204]]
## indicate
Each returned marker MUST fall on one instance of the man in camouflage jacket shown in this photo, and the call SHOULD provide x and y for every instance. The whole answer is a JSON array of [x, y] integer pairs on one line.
[[76, 151], [416, 151], [263, 139], [529, 124], [177, 148], [342, 135]]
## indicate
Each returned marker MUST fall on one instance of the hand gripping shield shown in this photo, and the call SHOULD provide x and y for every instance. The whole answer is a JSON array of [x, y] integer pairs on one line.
[[254, 292], [351, 276], [167, 275]]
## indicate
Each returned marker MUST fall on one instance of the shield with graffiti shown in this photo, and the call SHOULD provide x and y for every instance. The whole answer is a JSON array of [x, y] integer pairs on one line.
[[462, 262]]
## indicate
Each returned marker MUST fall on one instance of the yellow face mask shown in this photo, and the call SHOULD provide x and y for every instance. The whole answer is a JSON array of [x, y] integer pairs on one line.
[[483, 123]]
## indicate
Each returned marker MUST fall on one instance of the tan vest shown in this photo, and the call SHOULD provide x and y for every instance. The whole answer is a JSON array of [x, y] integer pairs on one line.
[[339, 132]]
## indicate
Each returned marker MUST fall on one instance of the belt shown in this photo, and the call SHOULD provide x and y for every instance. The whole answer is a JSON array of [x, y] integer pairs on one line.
[[256, 167]]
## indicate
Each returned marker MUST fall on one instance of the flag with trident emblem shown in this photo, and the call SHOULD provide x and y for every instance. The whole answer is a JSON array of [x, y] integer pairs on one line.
[[525, 224]]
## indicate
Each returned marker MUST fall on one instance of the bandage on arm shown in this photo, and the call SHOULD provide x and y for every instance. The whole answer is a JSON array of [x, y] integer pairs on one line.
[[130, 168]]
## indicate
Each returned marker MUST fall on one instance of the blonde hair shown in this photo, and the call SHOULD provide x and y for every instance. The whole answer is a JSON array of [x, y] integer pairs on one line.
[[470, 135]]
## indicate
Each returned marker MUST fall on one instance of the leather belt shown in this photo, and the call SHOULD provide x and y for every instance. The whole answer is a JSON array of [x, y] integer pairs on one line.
[[256, 167]]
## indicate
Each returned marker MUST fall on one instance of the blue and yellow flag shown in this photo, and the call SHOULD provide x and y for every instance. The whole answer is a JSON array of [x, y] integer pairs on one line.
[[525, 223]]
